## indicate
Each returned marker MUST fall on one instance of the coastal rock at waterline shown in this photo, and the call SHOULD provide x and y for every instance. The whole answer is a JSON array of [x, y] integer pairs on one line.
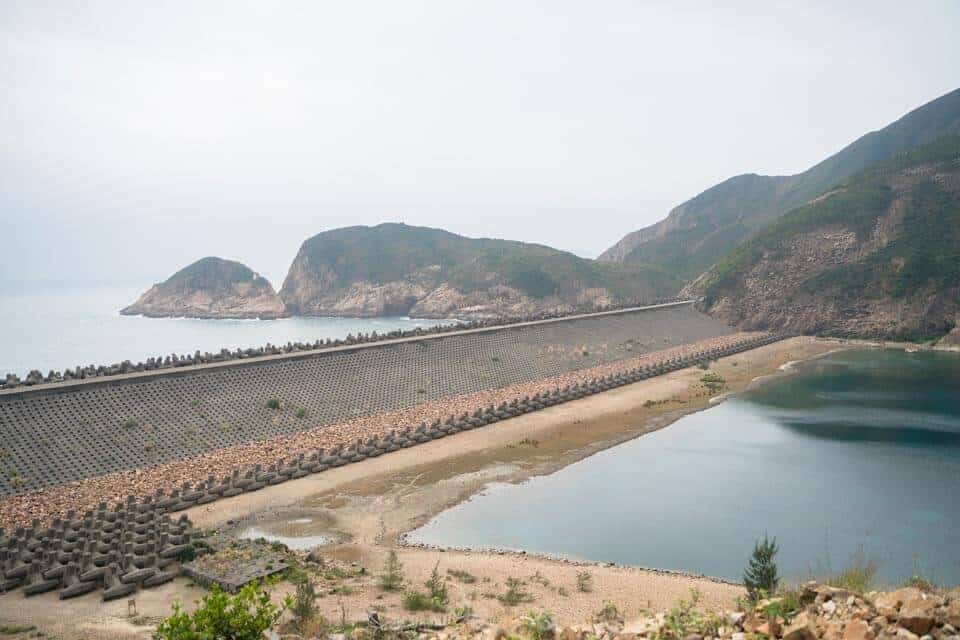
[[801, 628]]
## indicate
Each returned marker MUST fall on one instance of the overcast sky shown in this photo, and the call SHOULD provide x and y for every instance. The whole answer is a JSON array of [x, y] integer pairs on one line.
[[136, 137]]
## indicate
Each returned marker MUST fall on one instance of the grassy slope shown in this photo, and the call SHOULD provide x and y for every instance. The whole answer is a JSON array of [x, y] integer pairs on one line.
[[390, 252], [717, 220]]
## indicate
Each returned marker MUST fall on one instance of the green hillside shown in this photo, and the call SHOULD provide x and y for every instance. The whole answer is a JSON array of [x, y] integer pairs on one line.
[[898, 229], [387, 253], [705, 228]]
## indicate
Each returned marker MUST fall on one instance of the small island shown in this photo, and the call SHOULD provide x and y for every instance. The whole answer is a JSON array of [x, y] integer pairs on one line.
[[211, 288]]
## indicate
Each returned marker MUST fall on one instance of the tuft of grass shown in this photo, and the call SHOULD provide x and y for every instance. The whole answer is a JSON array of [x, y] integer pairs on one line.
[[13, 629], [858, 577], [462, 576], [530, 442], [130, 423], [301, 412], [273, 403], [515, 594]]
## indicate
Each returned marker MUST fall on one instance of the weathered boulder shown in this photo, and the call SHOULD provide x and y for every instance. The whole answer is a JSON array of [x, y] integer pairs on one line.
[[888, 604], [919, 613], [802, 627], [858, 630]]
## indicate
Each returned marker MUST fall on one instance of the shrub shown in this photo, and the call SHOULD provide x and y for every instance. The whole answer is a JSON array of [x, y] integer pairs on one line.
[[538, 626], [244, 616], [130, 423], [463, 576], [301, 412], [684, 619], [515, 594], [760, 576], [419, 601], [584, 582], [273, 403], [608, 613], [392, 577]]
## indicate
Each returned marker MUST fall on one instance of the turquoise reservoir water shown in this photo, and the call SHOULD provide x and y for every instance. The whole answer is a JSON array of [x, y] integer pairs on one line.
[[857, 454]]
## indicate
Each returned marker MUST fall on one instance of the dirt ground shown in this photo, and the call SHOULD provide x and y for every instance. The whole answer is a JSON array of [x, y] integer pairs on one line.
[[364, 509]]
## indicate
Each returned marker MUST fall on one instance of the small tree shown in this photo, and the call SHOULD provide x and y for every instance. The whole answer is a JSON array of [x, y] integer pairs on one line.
[[304, 607], [436, 585], [392, 577], [760, 576]]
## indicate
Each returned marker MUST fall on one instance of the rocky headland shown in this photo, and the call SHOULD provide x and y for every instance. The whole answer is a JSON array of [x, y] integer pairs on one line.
[[211, 288], [397, 269]]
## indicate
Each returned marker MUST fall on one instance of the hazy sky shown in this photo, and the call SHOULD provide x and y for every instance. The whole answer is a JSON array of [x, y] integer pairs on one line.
[[136, 137]]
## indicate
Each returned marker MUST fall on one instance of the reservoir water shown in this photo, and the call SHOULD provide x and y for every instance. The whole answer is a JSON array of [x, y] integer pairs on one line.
[[856, 456], [55, 327]]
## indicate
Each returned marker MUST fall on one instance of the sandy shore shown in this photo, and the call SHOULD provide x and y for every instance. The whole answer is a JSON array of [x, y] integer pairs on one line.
[[366, 507]]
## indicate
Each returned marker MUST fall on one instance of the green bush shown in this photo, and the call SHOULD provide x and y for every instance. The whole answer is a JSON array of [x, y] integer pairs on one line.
[[684, 620], [273, 403], [244, 616], [301, 412], [419, 601]]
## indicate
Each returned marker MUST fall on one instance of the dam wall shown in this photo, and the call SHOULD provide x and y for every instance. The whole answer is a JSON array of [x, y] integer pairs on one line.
[[54, 434]]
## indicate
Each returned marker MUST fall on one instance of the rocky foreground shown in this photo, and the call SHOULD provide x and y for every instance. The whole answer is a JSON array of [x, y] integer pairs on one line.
[[814, 612]]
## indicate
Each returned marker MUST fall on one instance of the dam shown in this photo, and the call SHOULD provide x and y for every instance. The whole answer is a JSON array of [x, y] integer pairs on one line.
[[59, 433]]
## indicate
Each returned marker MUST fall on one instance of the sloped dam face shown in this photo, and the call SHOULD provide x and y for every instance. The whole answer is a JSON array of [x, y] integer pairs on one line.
[[854, 459], [72, 431]]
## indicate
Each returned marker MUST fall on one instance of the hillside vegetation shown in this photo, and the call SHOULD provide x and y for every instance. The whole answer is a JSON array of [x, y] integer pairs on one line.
[[400, 269], [702, 230], [878, 256]]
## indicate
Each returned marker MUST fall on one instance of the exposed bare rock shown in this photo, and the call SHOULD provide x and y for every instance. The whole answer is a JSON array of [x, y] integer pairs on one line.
[[210, 288]]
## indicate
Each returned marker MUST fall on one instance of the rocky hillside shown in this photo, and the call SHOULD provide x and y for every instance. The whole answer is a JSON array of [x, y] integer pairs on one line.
[[878, 256], [395, 269], [210, 288], [704, 229]]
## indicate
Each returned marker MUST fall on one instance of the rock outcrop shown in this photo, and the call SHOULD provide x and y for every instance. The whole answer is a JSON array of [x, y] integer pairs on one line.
[[878, 257], [396, 269], [211, 288]]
